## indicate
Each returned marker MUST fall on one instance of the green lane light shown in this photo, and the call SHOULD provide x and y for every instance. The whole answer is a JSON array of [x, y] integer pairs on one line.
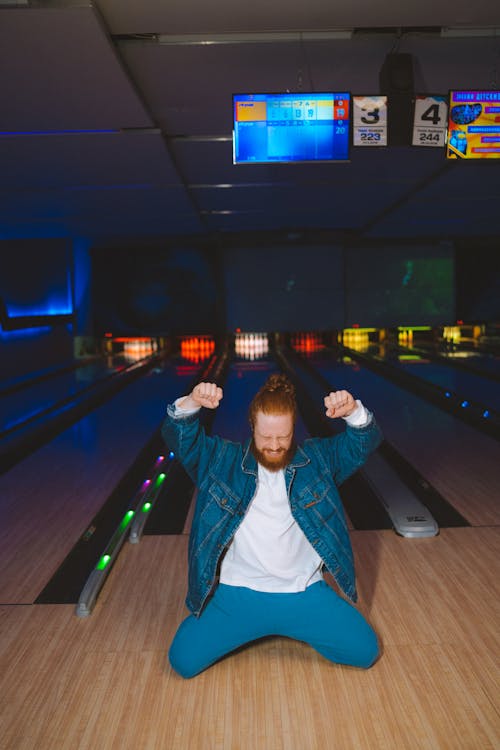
[[103, 562], [126, 519], [160, 479], [146, 507]]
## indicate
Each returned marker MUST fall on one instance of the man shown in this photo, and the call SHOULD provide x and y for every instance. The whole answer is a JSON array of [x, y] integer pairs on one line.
[[268, 520]]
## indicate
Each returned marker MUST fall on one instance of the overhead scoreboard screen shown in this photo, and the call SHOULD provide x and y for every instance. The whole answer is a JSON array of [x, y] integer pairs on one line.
[[473, 125], [287, 128]]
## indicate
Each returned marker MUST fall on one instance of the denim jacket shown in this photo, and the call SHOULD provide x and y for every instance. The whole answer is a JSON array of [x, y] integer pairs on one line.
[[226, 476]]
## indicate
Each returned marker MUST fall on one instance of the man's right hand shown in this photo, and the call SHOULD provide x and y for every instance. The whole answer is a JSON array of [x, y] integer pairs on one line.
[[208, 395]]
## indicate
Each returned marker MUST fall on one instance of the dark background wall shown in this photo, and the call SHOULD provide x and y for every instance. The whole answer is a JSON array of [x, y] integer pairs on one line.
[[284, 288], [167, 288], [154, 290], [478, 280], [36, 280], [400, 284], [36, 276], [272, 287]]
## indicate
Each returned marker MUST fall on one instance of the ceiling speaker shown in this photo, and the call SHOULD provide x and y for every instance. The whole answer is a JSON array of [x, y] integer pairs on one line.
[[396, 79]]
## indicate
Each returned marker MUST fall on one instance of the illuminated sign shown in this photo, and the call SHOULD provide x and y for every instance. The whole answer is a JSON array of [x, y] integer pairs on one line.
[[473, 125]]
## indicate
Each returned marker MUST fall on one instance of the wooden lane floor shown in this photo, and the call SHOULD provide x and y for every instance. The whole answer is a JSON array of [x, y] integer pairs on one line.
[[104, 682], [48, 500], [458, 460]]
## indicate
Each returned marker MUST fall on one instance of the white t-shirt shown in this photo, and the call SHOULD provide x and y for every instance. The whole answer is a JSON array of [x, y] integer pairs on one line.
[[269, 551]]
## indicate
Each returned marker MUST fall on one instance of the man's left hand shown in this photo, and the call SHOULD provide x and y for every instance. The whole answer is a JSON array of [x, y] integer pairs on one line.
[[339, 404]]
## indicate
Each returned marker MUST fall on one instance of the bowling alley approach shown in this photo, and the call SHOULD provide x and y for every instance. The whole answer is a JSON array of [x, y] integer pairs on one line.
[[249, 376]]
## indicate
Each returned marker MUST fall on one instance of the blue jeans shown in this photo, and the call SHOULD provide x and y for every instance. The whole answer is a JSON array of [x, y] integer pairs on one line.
[[236, 615]]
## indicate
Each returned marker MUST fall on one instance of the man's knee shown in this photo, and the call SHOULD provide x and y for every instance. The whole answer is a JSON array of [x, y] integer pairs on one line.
[[182, 661], [357, 648], [182, 651]]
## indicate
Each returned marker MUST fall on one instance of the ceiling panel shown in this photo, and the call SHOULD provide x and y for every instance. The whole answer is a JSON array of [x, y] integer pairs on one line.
[[99, 203], [189, 87], [58, 71], [200, 161], [222, 16], [85, 160], [143, 71], [444, 219], [461, 200], [101, 212]]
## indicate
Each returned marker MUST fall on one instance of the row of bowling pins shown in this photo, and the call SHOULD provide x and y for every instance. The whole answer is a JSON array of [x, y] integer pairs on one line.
[[452, 333], [306, 342], [405, 337], [251, 345], [139, 348], [196, 348], [355, 339]]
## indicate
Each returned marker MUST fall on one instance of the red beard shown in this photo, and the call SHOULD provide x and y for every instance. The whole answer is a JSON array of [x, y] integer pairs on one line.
[[275, 461]]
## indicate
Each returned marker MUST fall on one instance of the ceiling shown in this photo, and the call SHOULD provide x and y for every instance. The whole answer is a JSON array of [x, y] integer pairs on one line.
[[115, 122]]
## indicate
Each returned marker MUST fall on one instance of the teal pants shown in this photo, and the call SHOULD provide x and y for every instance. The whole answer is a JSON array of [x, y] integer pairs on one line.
[[235, 616]]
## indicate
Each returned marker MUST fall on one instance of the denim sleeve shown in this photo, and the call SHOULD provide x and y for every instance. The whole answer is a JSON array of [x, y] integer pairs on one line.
[[347, 452], [186, 437]]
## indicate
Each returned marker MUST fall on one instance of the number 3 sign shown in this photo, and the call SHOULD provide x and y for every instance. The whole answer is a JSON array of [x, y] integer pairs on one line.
[[429, 121], [370, 121]]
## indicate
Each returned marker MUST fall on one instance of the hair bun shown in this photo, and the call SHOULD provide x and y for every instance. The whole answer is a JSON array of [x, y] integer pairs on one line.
[[276, 396], [280, 382]]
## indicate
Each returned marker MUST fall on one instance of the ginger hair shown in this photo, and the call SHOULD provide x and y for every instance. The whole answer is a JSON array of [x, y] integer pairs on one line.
[[277, 396]]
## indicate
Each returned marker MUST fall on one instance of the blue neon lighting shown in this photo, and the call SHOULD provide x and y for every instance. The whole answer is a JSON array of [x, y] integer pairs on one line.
[[171, 454], [48, 311], [464, 404], [9, 425], [447, 394], [486, 413], [57, 302], [23, 333]]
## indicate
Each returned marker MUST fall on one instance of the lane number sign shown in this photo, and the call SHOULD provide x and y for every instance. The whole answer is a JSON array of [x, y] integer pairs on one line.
[[370, 121], [430, 121]]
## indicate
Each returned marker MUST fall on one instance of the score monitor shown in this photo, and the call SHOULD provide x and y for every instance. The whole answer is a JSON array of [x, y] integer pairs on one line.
[[291, 127]]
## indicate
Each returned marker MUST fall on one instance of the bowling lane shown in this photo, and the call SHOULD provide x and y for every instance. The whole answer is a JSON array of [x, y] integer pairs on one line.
[[26, 380], [470, 386], [49, 499], [487, 364], [37, 398], [458, 460]]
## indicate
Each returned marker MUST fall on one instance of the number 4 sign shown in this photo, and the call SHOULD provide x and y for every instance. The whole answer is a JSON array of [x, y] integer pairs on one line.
[[430, 120]]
